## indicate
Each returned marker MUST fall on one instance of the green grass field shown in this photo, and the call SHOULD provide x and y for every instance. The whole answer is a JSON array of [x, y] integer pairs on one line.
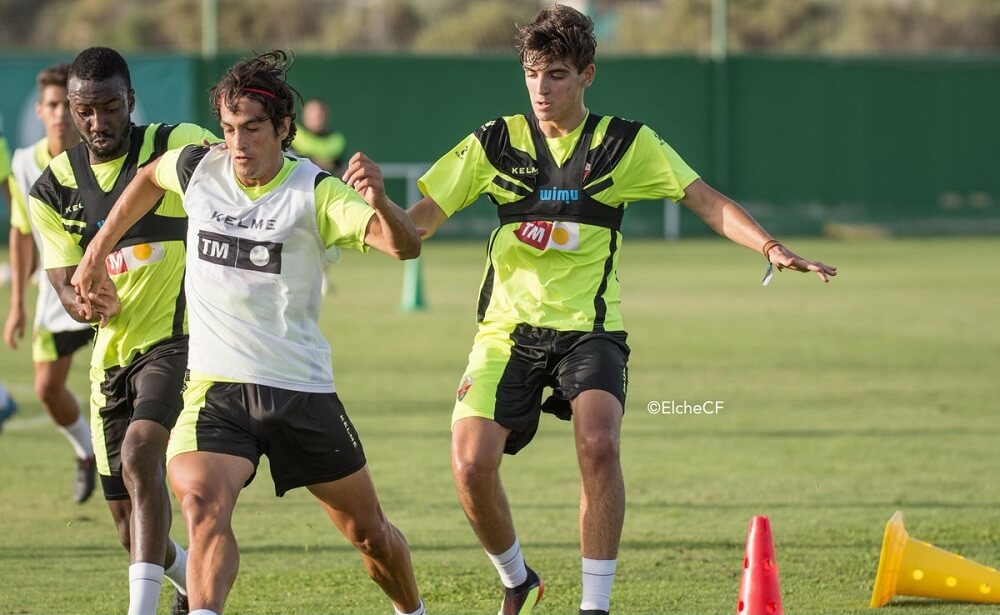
[[842, 403]]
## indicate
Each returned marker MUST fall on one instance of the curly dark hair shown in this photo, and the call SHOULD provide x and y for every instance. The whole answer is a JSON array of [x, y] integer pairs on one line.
[[100, 64], [263, 79], [560, 33]]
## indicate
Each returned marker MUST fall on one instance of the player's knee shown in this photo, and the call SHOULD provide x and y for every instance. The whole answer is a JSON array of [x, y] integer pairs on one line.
[[142, 466], [143, 454], [598, 451], [201, 512], [372, 540], [472, 469], [48, 391]]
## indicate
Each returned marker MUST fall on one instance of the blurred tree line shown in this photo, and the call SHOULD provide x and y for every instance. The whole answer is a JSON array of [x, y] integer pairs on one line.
[[478, 26]]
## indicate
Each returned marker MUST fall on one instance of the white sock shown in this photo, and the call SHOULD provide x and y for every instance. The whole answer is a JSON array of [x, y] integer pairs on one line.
[[420, 610], [510, 565], [203, 612], [144, 582], [78, 435], [598, 576], [177, 572]]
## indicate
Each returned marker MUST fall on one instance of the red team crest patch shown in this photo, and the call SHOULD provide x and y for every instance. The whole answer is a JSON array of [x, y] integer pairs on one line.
[[546, 235], [464, 388]]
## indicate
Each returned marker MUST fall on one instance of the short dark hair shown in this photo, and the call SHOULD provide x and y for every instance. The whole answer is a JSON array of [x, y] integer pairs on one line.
[[263, 79], [53, 75], [560, 33], [100, 64]]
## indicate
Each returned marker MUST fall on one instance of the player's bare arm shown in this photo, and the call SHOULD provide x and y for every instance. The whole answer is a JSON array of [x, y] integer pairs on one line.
[[139, 197], [390, 230], [727, 218], [427, 216], [22, 248]]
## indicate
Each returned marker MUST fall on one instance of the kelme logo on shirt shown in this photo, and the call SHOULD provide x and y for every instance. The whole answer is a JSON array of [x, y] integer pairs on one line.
[[262, 256], [558, 194]]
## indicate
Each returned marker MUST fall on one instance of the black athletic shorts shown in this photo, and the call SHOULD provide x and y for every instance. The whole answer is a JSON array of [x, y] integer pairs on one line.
[[49, 346], [148, 388], [507, 373], [307, 437]]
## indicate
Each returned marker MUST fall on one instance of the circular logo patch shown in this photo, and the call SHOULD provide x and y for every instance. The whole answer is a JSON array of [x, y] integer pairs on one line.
[[259, 256]]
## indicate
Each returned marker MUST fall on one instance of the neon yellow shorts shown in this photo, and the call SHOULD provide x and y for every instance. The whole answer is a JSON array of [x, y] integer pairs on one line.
[[509, 368], [48, 346]]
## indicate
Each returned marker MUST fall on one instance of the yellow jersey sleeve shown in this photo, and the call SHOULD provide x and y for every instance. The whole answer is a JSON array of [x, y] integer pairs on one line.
[[650, 169], [189, 134], [18, 208], [459, 177], [4, 159], [342, 215], [166, 175], [62, 248]]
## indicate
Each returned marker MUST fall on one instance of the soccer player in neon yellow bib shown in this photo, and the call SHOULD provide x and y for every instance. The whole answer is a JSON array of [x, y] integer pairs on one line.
[[548, 307], [137, 366]]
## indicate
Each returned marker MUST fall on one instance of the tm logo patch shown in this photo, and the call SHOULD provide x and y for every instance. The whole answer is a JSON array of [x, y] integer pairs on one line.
[[262, 256], [549, 235]]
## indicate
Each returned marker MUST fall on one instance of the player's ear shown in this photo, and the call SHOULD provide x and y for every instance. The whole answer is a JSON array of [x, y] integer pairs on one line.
[[588, 75], [284, 126], [131, 101]]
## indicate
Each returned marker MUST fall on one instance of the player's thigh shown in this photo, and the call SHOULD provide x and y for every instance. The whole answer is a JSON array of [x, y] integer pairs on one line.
[[308, 437], [503, 382], [214, 420], [208, 484], [110, 414], [156, 382], [352, 504], [594, 361], [50, 376]]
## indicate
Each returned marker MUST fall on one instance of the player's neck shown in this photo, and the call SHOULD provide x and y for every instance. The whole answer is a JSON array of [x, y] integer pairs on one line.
[[266, 177], [58, 145], [562, 126]]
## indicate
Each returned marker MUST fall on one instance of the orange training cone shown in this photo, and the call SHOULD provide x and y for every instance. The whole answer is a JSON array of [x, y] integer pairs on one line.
[[911, 567], [760, 592]]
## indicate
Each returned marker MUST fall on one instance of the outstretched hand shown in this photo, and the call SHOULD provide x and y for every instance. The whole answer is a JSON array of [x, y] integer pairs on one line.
[[365, 177], [783, 258]]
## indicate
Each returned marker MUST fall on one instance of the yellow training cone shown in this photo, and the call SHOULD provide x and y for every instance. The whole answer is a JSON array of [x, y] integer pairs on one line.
[[910, 567]]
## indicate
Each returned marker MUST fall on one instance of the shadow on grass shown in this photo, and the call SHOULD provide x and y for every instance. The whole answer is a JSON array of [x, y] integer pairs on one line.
[[910, 603], [907, 432], [636, 503]]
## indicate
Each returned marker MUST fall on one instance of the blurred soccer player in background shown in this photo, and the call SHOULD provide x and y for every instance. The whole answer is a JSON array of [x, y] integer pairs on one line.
[[4, 169], [57, 335], [7, 404], [316, 141]]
